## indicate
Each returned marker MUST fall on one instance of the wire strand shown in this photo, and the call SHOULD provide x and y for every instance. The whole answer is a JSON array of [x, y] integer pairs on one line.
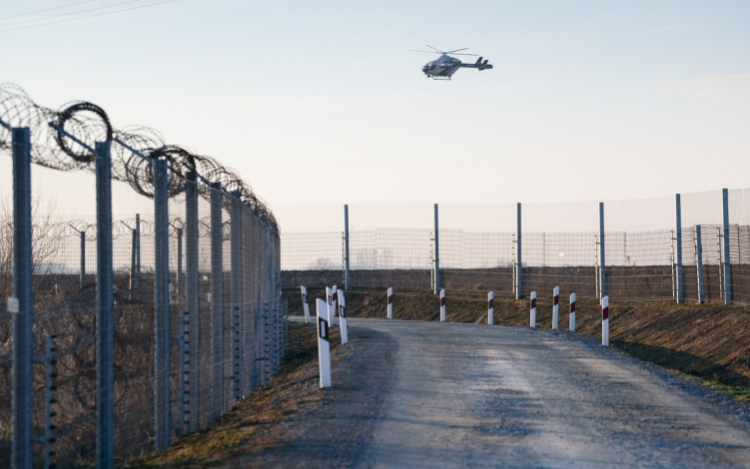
[[46, 9], [71, 13], [85, 17]]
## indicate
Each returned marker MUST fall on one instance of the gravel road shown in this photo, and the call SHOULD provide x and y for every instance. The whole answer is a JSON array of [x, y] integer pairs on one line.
[[431, 395]]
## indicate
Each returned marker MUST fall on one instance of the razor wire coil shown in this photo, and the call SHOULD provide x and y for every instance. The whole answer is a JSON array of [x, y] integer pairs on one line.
[[65, 140]]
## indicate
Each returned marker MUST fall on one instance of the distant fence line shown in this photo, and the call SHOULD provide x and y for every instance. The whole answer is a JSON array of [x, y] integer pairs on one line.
[[125, 227], [113, 350], [661, 263]]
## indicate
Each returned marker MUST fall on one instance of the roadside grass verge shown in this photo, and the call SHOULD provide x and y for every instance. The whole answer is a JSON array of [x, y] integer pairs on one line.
[[245, 429]]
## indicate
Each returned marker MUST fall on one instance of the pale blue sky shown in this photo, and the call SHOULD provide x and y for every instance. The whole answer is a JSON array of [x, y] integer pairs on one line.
[[321, 103]]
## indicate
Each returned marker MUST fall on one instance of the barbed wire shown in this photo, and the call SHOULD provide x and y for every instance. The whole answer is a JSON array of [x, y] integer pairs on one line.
[[121, 228], [65, 140]]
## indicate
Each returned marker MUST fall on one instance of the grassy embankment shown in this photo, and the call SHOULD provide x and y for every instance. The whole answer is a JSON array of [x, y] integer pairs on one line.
[[710, 343], [248, 426]]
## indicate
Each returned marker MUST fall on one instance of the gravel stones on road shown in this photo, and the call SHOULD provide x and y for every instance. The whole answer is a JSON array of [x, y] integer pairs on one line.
[[426, 394]]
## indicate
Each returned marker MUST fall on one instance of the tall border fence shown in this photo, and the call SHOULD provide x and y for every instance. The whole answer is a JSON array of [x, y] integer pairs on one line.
[[124, 332], [692, 247]]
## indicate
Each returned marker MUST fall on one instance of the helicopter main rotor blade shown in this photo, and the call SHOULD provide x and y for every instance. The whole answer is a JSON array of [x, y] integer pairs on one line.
[[457, 50], [426, 51], [435, 48], [475, 55]]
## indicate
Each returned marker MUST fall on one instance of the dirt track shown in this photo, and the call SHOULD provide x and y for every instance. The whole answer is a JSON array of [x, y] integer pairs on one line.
[[425, 394]]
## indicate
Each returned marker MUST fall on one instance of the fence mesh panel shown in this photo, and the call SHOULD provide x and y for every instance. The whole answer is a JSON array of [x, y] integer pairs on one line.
[[218, 349], [478, 248]]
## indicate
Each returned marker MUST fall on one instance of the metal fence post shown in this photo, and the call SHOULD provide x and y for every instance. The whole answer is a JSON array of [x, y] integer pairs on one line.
[[135, 258], [217, 304], [720, 257], [182, 363], [83, 259], [597, 266], [257, 273], [602, 263], [519, 262], [180, 275], [437, 253], [104, 310], [678, 237], [236, 294], [133, 244], [699, 262], [727, 258], [277, 271], [271, 304], [346, 247], [23, 319], [138, 254], [192, 300], [250, 310], [162, 394]]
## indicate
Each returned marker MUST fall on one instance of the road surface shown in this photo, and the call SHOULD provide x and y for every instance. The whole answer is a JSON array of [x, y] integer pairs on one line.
[[415, 394]]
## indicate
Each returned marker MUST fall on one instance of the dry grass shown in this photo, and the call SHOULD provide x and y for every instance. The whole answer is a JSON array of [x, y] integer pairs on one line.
[[246, 427]]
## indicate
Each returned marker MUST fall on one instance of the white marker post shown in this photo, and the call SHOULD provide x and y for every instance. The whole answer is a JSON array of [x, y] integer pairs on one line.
[[490, 308], [605, 321], [324, 347], [305, 306], [555, 307], [329, 300], [442, 305], [572, 312], [334, 301], [532, 321], [390, 303], [342, 318]]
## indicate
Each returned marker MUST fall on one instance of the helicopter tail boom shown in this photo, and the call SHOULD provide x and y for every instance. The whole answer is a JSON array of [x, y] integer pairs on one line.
[[478, 65]]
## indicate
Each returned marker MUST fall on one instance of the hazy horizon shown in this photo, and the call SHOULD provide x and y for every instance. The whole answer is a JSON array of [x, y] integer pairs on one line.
[[320, 104]]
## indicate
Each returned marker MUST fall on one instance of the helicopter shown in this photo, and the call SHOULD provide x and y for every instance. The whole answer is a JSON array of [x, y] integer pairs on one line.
[[445, 66]]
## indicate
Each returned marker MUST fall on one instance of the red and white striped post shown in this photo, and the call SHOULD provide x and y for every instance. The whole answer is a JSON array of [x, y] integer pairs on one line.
[[390, 303], [555, 307], [329, 300], [532, 321], [324, 346], [605, 321], [442, 305], [572, 312], [490, 308], [305, 306], [342, 318]]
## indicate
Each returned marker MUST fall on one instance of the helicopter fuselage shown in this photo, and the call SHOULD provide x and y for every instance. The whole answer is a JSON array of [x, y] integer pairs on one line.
[[445, 66]]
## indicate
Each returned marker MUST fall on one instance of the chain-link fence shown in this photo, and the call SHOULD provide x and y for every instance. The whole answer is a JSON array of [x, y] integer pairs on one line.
[[692, 246], [143, 288]]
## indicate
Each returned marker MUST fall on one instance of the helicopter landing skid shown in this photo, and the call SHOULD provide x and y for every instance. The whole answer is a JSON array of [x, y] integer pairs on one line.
[[442, 79]]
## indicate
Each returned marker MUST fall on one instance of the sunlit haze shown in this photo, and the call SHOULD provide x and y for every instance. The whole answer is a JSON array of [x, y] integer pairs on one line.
[[321, 103]]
